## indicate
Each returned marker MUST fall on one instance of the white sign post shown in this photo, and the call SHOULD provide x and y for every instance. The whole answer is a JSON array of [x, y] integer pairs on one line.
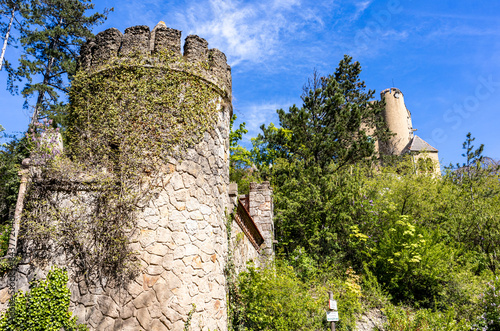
[[332, 315], [332, 304]]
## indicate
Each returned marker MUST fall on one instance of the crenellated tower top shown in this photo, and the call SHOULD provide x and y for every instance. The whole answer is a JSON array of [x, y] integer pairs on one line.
[[111, 45]]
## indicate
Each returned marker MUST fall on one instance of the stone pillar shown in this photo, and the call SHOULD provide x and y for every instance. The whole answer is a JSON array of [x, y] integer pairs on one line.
[[233, 196], [261, 210]]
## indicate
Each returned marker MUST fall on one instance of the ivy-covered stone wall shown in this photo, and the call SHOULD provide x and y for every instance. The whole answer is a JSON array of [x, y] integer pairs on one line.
[[136, 209]]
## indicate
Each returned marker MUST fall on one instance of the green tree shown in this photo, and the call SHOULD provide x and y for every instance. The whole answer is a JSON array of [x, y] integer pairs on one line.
[[310, 160], [241, 169], [51, 33], [475, 222], [336, 123]]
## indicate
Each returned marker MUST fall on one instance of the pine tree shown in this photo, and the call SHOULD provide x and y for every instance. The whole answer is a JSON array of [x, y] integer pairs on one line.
[[335, 123], [307, 160], [51, 33]]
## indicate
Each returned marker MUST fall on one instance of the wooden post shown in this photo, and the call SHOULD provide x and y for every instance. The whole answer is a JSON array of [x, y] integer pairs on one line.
[[24, 175], [330, 297]]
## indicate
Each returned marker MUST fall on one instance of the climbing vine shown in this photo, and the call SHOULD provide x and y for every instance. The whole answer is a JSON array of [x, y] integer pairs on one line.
[[44, 307], [128, 122]]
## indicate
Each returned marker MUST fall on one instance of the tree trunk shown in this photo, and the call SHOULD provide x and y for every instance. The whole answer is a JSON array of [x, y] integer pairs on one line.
[[24, 174], [7, 34]]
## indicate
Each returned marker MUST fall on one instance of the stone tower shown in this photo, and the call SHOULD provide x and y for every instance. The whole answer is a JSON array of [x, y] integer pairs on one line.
[[398, 120], [180, 236]]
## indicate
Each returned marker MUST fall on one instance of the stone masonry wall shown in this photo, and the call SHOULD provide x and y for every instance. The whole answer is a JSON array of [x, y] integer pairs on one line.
[[242, 249], [261, 210], [180, 237]]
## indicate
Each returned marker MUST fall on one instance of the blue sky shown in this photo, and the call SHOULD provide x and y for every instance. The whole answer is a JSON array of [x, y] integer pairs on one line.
[[444, 56]]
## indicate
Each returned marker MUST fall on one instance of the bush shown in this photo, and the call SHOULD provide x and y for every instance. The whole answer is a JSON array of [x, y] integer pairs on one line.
[[275, 299], [404, 319], [43, 308], [490, 319]]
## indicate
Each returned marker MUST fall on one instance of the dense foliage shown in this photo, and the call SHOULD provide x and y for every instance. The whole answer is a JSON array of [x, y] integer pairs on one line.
[[425, 247], [43, 308]]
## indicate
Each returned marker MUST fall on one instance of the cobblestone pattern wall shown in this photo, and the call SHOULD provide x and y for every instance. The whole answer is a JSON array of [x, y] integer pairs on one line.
[[181, 236], [243, 250]]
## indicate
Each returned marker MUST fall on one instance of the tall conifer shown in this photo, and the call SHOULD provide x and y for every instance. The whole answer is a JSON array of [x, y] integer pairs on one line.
[[50, 36]]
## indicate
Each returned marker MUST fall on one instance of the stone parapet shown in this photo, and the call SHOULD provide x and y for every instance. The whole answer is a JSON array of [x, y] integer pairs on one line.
[[111, 44]]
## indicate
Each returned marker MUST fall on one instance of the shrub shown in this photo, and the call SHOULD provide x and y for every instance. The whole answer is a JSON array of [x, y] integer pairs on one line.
[[404, 319], [43, 308], [490, 319], [275, 299]]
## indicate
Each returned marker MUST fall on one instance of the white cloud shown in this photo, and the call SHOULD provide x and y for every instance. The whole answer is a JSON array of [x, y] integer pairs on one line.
[[361, 6], [248, 31]]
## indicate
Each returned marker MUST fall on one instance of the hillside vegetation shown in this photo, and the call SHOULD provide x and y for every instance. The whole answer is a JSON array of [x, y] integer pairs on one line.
[[379, 232]]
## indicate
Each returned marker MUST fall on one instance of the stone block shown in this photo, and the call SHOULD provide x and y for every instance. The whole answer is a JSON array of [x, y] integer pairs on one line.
[[191, 226], [147, 237], [180, 238], [195, 49], [163, 292], [127, 311], [158, 249], [205, 210], [178, 252], [172, 280], [136, 40], [107, 324], [165, 39], [107, 44], [155, 311], [130, 324], [176, 216], [107, 306], [172, 315], [158, 325], [188, 180], [4, 295], [196, 215], [191, 249], [177, 182], [144, 299], [155, 260], [154, 270], [168, 261], [190, 167], [149, 281], [144, 318], [163, 236], [134, 289]]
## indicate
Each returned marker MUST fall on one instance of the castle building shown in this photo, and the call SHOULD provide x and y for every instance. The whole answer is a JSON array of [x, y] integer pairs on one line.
[[181, 238], [398, 120]]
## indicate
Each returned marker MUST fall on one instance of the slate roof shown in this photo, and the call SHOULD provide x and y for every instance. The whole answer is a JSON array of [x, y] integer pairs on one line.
[[417, 144]]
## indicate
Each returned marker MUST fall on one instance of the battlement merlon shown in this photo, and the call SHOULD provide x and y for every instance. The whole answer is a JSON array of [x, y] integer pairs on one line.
[[111, 44]]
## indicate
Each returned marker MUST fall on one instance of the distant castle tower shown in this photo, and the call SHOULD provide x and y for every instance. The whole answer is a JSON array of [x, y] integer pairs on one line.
[[398, 120]]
